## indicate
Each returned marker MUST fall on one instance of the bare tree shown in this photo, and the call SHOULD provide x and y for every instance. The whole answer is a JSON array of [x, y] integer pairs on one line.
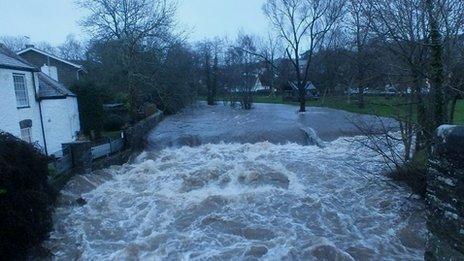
[[401, 25], [209, 52], [395, 148], [420, 38], [304, 25], [455, 77], [436, 63], [15, 43], [242, 70], [360, 32], [267, 51], [417, 32], [72, 49], [129, 20], [451, 19], [18, 43], [47, 47], [133, 23]]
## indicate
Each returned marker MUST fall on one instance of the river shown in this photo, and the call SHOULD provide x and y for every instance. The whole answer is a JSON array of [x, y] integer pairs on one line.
[[251, 185]]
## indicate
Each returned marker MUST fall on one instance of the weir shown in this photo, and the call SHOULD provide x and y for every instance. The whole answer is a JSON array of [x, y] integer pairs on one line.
[[242, 198]]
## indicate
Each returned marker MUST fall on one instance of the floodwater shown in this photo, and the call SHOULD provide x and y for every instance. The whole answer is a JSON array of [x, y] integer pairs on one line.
[[239, 193], [275, 123]]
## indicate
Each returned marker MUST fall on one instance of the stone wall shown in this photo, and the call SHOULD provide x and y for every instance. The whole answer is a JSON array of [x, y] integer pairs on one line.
[[81, 155], [136, 135], [445, 195], [119, 158], [77, 156]]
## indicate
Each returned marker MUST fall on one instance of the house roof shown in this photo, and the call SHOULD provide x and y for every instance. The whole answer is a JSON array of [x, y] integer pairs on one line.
[[10, 60], [308, 86], [51, 89], [33, 49]]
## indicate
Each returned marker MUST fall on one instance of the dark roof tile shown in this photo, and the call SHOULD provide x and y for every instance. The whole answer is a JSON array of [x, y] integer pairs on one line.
[[10, 60], [49, 88]]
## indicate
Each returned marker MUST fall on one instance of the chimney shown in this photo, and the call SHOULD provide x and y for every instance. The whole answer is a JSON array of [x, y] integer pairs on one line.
[[51, 71], [29, 46]]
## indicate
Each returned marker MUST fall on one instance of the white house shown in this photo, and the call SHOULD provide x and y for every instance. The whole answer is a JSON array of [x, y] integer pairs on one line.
[[60, 113], [34, 106], [291, 91], [311, 90], [259, 85]]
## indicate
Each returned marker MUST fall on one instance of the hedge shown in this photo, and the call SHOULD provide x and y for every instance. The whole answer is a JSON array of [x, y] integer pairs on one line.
[[26, 198]]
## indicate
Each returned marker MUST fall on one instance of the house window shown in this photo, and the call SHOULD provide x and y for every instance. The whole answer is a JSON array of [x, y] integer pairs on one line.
[[26, 130], [22, 99], [26, 135]]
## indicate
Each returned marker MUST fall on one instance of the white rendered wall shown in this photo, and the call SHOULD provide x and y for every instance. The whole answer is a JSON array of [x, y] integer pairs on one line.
[[61, 122], [74, 116], [10, 115]]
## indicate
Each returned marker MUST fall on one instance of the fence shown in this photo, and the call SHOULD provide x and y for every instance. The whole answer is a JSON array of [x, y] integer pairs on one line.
[[107, 149], [80, 156], [64, 159]]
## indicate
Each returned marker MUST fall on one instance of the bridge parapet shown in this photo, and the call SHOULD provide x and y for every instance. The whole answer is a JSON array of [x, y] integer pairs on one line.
[[445, 195]]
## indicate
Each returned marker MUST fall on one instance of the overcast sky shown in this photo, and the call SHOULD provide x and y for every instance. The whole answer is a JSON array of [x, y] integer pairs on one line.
[[52, 20]]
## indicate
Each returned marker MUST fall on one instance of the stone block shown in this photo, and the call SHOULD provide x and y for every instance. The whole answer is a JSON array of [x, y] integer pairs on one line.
[[81, 154], [445, 195]]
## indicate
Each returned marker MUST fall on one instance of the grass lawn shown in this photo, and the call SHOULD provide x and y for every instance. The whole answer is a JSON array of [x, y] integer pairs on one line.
[[388, 107], [374, 105], [459, 114]]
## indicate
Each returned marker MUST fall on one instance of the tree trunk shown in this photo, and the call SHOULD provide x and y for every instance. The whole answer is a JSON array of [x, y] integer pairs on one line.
[[361, 103], [302, 97], [133, 95], [208, 80], [360, 72], [452, 109], [436, 66], [424, 130], [409, 132], [214, 85], [300, 83]]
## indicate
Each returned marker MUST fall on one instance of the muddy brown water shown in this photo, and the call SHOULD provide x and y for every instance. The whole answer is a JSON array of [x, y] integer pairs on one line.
[[243, 193]]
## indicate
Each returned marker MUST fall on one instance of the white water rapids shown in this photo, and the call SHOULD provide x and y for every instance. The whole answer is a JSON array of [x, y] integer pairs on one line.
[[241, 202]]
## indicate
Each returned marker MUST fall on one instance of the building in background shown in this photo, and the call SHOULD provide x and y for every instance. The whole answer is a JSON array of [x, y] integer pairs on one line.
[[291, 92], [63, 71], [36, 107]]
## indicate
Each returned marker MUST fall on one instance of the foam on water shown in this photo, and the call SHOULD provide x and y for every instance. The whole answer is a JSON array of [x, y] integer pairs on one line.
[[237, 201]]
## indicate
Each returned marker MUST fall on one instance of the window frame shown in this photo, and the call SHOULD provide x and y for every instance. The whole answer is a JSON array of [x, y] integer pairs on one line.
[[29, 134], [25, 91]]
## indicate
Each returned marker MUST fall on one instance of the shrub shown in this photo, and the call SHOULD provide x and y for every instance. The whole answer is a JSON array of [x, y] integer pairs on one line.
[[90, 98], [149, 109], [26, 198], [121, 97], [413, 173], [113, 122]]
